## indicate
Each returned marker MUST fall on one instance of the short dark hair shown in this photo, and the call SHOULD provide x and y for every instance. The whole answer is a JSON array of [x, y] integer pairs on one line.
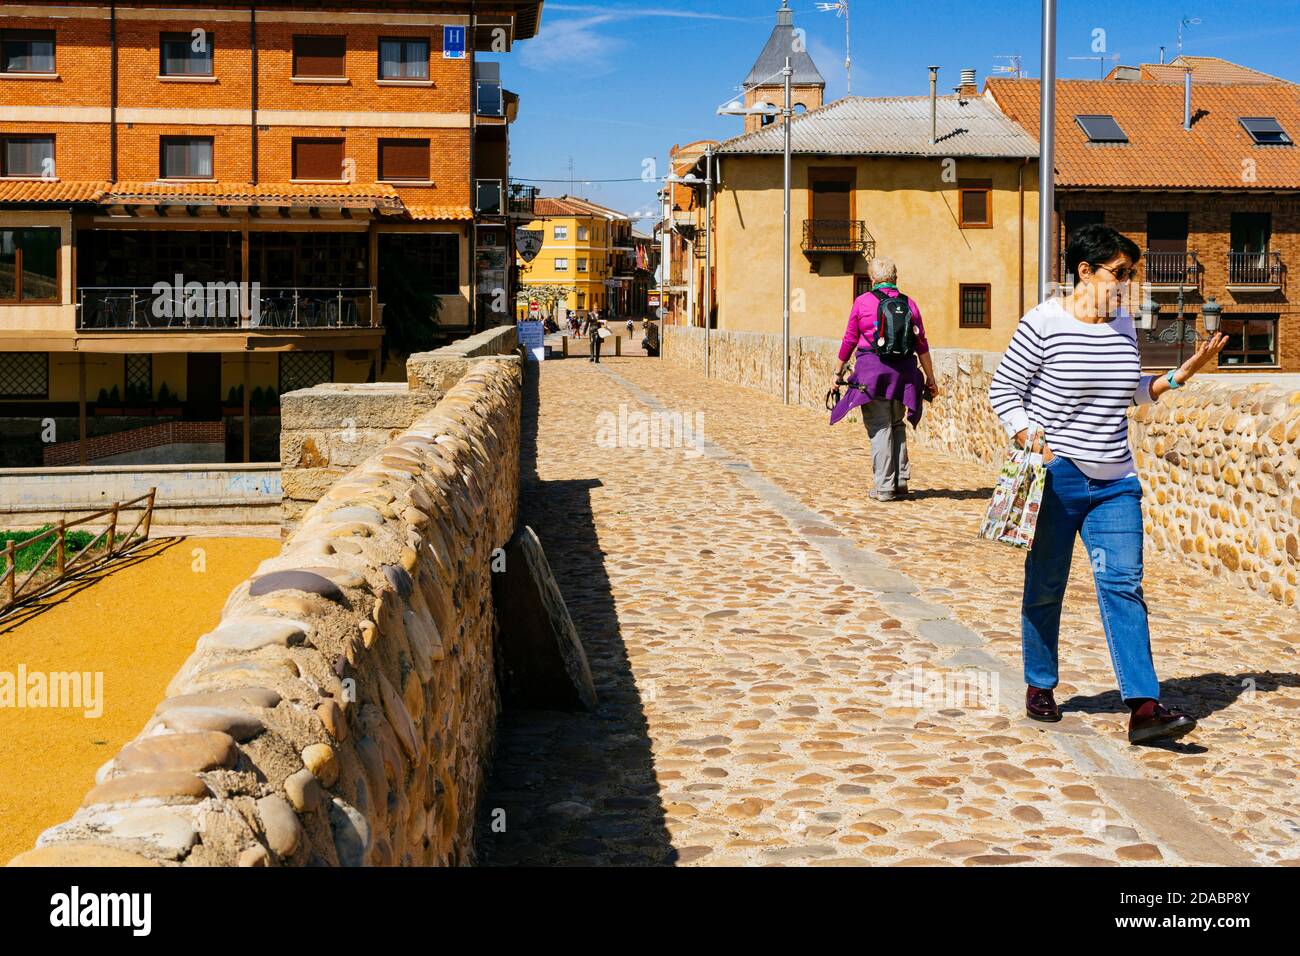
[[1096, 243]]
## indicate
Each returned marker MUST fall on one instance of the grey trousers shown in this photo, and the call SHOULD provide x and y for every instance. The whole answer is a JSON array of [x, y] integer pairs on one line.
[[887, 430]]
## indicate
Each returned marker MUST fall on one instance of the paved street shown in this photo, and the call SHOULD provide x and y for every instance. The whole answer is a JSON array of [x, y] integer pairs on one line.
[[750, 616]]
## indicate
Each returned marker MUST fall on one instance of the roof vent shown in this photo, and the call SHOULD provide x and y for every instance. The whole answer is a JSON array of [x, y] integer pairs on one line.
[[968, 77]]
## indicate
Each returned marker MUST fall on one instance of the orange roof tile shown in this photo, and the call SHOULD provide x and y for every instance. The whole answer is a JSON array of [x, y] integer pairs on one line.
[[1160, 154], [351, 195], [573, 206], [49, 191], [1205, 69], [427, 213]]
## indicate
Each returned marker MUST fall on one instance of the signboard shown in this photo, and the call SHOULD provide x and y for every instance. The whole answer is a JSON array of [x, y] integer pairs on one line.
[[453, 43], [533, 339], [653, 301], [528, 242], [534, 310]]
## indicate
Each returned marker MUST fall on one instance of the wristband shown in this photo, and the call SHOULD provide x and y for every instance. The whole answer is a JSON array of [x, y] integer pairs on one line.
[[1173, 382]]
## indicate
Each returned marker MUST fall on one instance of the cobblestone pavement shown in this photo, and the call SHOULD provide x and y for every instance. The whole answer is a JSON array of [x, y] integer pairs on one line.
[[750, 617]]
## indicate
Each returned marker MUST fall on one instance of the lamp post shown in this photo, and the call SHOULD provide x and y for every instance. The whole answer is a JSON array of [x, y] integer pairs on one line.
[[1046, 154]]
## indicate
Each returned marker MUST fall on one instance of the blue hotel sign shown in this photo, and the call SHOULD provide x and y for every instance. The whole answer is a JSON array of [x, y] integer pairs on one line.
[[453, 43]]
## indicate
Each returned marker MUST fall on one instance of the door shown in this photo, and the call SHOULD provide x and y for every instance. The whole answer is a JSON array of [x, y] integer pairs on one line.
[[831, 207], [203, 386], [1167, 259], [1248, 258]]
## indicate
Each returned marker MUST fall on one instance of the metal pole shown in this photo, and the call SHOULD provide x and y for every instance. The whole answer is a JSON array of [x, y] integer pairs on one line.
[[708, 256], [1046, 155], [848, 54], [787, 114]]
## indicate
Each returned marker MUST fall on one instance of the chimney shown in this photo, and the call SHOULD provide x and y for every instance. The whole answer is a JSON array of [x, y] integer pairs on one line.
[[969, 84], [1162, 55], [934, 93], [1187, 99]]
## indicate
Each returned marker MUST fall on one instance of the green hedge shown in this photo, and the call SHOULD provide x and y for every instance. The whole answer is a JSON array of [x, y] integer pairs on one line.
[[26, 558]]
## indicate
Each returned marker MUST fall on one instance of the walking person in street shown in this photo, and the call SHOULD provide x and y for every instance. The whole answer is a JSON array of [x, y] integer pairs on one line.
[[594, 328], [1065, 385], [650, 337], [886, 334]]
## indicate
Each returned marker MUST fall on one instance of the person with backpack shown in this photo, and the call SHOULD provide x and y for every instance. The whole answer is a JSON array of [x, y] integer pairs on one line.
[[886, 334]]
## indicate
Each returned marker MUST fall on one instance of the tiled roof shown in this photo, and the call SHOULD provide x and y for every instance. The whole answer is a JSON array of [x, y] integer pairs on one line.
[[894, 126], [573, 206], [781, 44], [351, 195], [49, 191], [426, 213], [1205, 69], [1216, 153]]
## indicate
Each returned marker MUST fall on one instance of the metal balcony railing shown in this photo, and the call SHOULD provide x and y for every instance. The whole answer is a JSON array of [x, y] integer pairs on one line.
[[837, 235], [220, 306], [1171, 268], [523, 199], [1254, 268]]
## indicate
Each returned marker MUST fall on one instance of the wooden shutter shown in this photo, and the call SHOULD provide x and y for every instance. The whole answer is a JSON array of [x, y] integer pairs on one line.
[[319, 56], [404, 159], [318, 159]]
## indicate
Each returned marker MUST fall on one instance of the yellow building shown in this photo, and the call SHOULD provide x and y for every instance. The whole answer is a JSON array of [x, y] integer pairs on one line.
[[954, 205], [585, 247]]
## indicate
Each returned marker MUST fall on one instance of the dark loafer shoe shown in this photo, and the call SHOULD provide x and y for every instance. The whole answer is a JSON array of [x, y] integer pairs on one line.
[[1040, 704], [1151, 723]]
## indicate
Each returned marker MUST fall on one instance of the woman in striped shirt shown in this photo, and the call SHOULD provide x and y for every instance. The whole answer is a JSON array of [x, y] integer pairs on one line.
[[1065, 385]]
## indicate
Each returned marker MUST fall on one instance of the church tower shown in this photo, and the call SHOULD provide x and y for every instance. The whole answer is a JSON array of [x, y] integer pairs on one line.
[[807, 87]]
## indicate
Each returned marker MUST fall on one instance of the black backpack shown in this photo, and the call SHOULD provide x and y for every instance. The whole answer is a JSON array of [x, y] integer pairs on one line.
[[895, 331]]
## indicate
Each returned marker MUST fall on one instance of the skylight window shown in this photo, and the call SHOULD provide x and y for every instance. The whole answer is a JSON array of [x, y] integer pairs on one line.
[[1265, 130], [1101, 128]]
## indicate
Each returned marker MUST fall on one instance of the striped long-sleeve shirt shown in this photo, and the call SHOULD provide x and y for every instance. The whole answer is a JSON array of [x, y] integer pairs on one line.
[[1077, 380]]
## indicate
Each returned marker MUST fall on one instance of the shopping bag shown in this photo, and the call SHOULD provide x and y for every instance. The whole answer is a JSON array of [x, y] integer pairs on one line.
[[1012, 515]]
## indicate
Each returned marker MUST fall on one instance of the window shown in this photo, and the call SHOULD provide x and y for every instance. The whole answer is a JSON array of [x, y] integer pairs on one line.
[[1076, 219], [584, 234], [24, 375], [975, 312], [318, 159], [1250, 231], [404, 159], [185, 54], [27, 51], [305, 369], [487, 196], [319, 56], [561, 265], [1265, 131], [185, 157], [561, 232], [27, 156], [1252, 340], [489, 98], [29, 265], [582, 264], [975, 203], [1101, 129], [403, 59], [139, 378]]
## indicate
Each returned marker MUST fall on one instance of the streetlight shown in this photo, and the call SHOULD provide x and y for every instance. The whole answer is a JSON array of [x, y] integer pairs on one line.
[[735, 108], [690, 179]]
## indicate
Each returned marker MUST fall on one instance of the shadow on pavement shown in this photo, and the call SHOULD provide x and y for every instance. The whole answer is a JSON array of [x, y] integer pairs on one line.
[[580, 788], [1200, 696]]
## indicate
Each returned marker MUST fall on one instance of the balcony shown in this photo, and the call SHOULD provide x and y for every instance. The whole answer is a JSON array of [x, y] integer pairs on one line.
[[1254, 271], [217, 307], [1171, 271], [522, 200], [847, 238]]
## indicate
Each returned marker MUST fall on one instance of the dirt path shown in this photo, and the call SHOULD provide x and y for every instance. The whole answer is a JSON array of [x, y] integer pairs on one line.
[[134, 625]]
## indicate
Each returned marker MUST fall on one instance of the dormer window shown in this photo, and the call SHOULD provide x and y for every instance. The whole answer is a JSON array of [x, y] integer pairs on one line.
[[1101, 128], [1265, 131]]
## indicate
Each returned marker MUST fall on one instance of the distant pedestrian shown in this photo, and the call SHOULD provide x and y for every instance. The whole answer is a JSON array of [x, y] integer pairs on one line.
[[594, 329], [650, 338], [886, 331], [631, 327]]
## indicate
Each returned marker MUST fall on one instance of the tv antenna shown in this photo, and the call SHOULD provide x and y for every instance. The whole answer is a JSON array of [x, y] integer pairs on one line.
[[1185, 21], [1011, 67], [841, 9], [1101, 59]]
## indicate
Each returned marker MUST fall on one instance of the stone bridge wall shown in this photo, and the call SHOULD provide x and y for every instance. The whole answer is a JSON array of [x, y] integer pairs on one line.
[[330, 429], [1218, 460], [343, 711]]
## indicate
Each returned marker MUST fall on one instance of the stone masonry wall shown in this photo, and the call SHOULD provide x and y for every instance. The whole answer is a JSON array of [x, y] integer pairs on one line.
[[330, 429], [1217, 460], [343, 711]]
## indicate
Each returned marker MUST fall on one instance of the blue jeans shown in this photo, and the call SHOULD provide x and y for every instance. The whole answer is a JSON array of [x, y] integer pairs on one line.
[[1108, 515]]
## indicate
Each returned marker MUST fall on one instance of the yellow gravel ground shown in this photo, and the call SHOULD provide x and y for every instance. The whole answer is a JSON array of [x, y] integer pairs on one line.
[[136, 624]]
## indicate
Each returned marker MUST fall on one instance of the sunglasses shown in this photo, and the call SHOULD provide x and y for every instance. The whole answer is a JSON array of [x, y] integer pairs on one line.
[[1123, 275]]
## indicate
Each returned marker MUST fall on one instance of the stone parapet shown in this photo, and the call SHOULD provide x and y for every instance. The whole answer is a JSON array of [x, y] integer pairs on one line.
[[1218, 459], [343, 710]]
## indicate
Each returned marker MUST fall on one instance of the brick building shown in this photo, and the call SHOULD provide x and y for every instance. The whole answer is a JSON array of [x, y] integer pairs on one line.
[[236, 200], [1210, 193]]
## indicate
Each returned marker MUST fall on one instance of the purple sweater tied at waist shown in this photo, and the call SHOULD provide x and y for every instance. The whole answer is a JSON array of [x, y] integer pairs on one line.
[[894, 378]]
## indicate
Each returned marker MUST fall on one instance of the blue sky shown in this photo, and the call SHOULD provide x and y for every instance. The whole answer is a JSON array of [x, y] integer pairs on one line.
[[610, 85]]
